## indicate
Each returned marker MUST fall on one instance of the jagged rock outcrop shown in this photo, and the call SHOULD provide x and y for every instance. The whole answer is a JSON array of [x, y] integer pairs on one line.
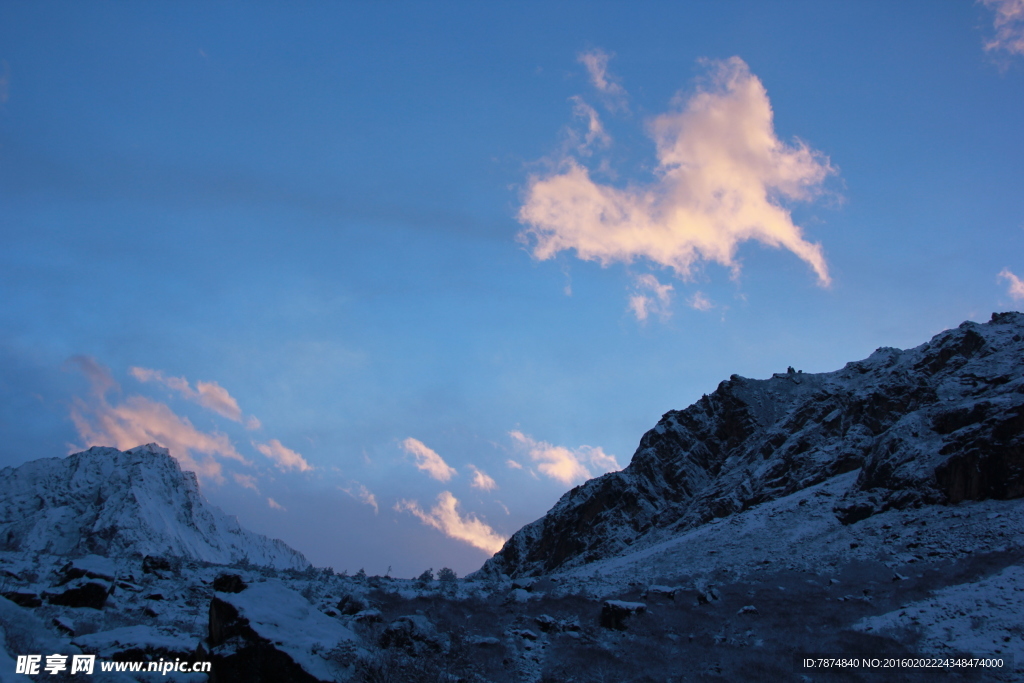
[[137, 502], [936, 424], [268, 633]]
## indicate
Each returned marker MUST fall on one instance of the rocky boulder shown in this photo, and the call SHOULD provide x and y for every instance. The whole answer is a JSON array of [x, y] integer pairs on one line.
[[269, 633]]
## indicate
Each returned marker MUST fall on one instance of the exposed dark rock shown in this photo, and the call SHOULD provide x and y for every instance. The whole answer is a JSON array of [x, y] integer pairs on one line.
[[23, 599], [615, 612], [75, 570], [153, 565], [351, 604], [937, 424], [369, 616], [229, 583], [413, 633], [91, 594], [546, 623], [253, 659]]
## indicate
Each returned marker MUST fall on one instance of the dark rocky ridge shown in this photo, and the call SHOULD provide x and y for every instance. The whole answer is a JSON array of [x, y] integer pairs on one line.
[[936, 424]]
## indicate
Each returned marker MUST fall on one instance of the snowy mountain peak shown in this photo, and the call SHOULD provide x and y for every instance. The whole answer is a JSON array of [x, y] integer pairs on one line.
[[936, 424], [111, 502]]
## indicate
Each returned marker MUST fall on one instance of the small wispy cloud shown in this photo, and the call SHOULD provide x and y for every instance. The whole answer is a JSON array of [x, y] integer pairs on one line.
[[512, 464], [481, 480], [596, 62], [282, 456], [274, 505], [138, 420], [1016, 286], [595, 134], [1009, 26], [445, 518], [246, 481], [362, 494], [210, 395], [651, 297], [700, 302], [568, 466], [721, 179], [428, 460]]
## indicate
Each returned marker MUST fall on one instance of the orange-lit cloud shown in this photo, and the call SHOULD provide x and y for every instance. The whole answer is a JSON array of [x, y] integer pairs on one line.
[[1016, 289], [656, 300], [428, 460], [481, 480], [363, 495], [274, 505], [445, 518], [210, 395], [138, 420], [565, 465], [513, 464], [284, 457], [1009, 26], [596, 62], [721, 176]]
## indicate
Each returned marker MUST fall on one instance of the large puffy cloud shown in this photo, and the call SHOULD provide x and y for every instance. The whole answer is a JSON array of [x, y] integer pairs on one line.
[[428, 460], [721, 177], [1016, 289], [284, 457], [1009, 25], [207, 394], [138, 420], [568, 466], [445, 518]]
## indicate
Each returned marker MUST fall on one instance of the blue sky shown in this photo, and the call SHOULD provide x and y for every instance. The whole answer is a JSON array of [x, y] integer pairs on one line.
[[394, 276]]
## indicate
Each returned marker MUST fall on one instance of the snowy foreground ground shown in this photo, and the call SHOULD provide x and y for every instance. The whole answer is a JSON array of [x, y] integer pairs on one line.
[[743, 598]]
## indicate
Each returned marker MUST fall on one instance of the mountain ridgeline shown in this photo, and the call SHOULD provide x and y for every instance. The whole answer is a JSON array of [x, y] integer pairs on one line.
[[109, 502], [937, 424]]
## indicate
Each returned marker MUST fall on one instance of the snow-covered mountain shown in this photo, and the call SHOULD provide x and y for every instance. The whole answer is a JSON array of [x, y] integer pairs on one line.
[[875, 513], [114, 503], [937, 424]]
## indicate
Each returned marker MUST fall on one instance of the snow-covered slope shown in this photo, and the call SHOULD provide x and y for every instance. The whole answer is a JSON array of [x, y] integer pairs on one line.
[[110, 502], [936, 424]]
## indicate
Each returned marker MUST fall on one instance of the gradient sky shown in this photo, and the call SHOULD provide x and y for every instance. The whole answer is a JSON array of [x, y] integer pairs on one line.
[[392, 277]]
